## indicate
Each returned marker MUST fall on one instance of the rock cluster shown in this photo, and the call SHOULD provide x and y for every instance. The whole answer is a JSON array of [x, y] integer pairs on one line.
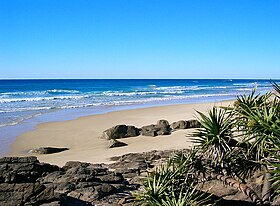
[[161, 128]]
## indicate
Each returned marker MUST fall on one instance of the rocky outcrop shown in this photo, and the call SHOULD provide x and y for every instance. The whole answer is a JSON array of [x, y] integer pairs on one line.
[[120, 131], [161, 128], [47, 150], [115, 143], [26, 181], [18, 180]]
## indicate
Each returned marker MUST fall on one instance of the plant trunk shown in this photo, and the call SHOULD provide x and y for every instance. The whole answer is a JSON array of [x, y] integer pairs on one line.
[[240, 186], [266, 190]]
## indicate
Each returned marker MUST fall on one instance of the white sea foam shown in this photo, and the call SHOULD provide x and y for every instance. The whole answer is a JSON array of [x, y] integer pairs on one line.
[[117, 93], [62, 91], [36, 99], [27, 93], [37, 93], [176, 88], [25, 109]]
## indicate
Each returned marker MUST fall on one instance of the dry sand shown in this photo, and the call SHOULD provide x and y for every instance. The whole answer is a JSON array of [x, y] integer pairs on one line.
[[82, 135]]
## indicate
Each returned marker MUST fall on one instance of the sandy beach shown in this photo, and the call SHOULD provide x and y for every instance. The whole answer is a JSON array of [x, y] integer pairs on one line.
[[82, 135]]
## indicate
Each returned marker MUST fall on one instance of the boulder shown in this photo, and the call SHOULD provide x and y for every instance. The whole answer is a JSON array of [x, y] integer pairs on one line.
[[115, 143], [182, 124], [179, 125], [120, 131], [149, 130], [155, 130], [47, 150], [194, 123], [163, 123], [132, 131]]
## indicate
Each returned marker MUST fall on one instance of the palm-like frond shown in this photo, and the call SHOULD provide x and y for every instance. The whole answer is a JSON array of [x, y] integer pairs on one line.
[[214, 137], [186, 197], [276, 177], [261, 128], [170, 185], [276, 88], [275, 167]]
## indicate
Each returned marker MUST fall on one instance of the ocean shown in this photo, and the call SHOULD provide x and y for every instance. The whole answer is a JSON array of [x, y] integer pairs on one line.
[[26, 103]]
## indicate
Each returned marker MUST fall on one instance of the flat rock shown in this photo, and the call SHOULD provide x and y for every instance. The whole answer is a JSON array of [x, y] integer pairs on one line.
[[47, 150]]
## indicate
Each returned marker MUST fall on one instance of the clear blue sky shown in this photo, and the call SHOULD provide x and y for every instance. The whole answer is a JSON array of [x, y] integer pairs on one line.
[[140, 39]]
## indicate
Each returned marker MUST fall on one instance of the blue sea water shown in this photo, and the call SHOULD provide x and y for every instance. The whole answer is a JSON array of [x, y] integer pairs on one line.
[[24, 99], [25, 103]]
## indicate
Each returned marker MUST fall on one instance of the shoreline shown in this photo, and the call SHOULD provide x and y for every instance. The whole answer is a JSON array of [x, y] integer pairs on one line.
[[82, 135], [9, 133]]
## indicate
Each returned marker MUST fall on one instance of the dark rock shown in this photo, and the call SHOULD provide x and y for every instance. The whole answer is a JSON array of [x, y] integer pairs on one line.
[[120, 131], [47, 150], [163, 131], [115, 143], [148, 131], [54, 177], [23, 170], [154, 130], [163, 123], [111, 178], [132, 131], [47, 195], [30, 159], [179, 125], [194, 123], [87, 194], [65, 187], [72, 164], [105, 189], [182, 124]]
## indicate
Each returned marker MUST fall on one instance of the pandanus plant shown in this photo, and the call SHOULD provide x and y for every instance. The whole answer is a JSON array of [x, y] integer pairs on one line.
[[169, 184], [216, 144], [244, 136]]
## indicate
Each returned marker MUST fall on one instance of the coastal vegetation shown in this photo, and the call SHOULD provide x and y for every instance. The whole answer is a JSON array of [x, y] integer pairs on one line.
[[232, 145]]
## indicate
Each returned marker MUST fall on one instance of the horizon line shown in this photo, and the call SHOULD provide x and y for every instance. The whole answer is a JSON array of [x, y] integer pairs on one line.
[[137, 78]]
